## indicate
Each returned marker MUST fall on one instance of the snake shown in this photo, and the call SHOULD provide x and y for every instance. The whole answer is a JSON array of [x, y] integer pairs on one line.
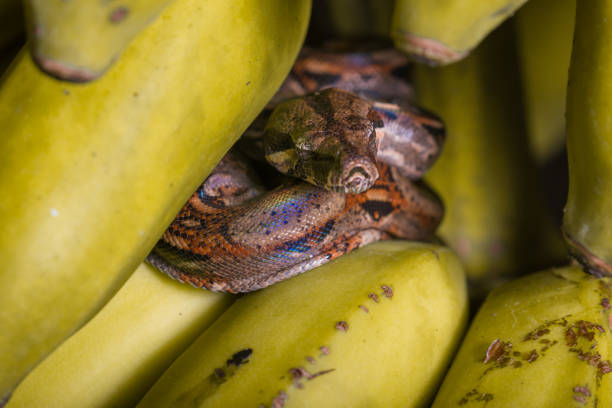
[[346, 149]]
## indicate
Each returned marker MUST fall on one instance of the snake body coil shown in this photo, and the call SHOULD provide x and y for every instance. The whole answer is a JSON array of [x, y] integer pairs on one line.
[[234, 236]]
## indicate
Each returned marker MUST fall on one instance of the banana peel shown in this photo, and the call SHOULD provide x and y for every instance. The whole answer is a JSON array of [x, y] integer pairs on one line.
[[91, 175], [115, 358], [375, 327], [543, 340], [78, 40], [441, 32]]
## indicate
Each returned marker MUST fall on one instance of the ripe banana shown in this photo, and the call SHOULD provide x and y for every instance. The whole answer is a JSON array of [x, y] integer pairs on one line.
[[588, 212], [115, 358], [375, 327], [494, 215], [445, 31], [541, 341], [78, 40], [91, 175], [544, 32]]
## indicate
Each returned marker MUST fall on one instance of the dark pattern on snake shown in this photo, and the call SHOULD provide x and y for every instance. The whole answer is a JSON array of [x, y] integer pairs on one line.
[[233, 236]]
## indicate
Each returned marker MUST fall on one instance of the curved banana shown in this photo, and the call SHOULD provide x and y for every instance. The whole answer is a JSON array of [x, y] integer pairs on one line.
[[541, 341], [587, 222], [444, 31], [373, 328], [91, 175], [78, 40], [115, 358], [494, 214]]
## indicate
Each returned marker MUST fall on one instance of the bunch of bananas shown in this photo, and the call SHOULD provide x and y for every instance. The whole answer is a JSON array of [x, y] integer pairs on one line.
[[114, 112]]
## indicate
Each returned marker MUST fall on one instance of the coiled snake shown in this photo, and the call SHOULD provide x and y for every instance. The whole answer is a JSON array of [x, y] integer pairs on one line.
[[360, 151]]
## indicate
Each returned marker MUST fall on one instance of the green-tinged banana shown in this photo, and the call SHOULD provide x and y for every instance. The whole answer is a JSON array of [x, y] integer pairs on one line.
[[544, 32], [587, 222], [351, 19], [374, 328], [541, 341], [444, 31], [495, 219], [79, 40], [115, 358], [91, 175]]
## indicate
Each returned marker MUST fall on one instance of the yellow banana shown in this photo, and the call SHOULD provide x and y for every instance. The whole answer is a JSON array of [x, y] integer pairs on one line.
[[115, 358], [91, 175], [544, 33], [588, 212], [375, 327], [444, 31], [79, 40], [495, 220], [541, 341]]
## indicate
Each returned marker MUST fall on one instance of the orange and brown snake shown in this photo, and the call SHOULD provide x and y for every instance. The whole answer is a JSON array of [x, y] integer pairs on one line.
[[361, 151]]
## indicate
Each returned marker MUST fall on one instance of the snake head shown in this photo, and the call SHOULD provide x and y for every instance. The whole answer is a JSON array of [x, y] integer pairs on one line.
[[327, 138]]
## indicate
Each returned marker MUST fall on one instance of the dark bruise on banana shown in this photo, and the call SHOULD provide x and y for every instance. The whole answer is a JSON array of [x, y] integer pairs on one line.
[[357, 147], [578, 337]]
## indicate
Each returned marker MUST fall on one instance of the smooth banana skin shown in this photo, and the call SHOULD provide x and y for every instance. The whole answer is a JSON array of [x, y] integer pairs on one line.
[[544, 31], [587, 221], [543, 340], [91, 175], [440, 32], [115, 358], [374, 328], [495, 216], [78, 40]]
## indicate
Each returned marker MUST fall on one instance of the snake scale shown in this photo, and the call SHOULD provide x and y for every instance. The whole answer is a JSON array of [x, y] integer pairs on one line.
[[341, 122]]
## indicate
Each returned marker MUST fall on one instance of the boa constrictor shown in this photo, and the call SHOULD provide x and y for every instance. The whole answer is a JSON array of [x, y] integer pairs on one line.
[[357, 142]]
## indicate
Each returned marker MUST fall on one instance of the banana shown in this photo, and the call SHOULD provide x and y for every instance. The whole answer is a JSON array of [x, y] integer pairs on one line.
[[589, 139], [115, 358], [375, 327], [445, 31], [494, 214], [91, 175], [544, 32], [543, 340], [78, 40]]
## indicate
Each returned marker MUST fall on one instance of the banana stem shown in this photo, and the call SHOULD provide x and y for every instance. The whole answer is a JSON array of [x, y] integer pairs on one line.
[[445, 31], [587, 224]]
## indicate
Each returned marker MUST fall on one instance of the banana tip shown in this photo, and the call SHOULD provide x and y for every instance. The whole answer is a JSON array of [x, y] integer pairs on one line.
[[426, 50], [62, 70], [590, 262]]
